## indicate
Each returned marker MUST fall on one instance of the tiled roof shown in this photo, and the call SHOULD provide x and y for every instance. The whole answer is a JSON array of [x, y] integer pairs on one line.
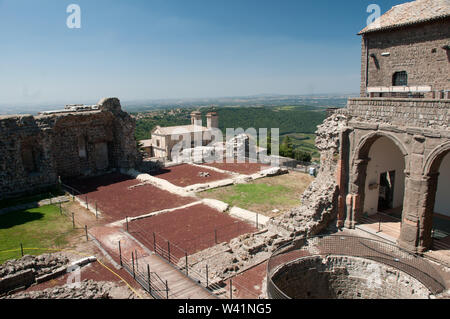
[[169, 130], [410, 13], [146, 143]]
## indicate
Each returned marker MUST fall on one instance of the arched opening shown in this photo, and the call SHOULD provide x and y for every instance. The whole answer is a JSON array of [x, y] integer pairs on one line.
[[381, 185], [385, 178], [440, 219]]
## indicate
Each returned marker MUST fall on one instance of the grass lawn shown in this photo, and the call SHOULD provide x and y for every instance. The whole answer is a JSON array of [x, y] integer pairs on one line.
[[305, 143], [264, 195], [41, 227]]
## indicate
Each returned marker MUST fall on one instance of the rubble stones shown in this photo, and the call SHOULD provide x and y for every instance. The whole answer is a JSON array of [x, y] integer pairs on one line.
[[86, 289], [204, 174], [42, 264]]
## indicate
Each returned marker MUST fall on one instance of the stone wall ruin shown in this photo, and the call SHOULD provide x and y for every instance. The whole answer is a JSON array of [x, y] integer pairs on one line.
[[36, 150]]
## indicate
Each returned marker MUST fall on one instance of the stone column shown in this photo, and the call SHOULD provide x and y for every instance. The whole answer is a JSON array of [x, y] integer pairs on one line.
[[349, 220], [417, 217], [355, 197], [342, 176]]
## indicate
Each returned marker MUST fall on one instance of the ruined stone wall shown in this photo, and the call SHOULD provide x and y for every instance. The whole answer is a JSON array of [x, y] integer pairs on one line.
[[417, 49], [16, 134], [35, 150]]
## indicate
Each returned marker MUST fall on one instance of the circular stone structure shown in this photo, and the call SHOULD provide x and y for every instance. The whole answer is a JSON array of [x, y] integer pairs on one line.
[[344, 277]]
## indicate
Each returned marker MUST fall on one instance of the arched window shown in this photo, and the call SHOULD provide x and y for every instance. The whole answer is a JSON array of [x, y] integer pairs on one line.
[[400, 79]]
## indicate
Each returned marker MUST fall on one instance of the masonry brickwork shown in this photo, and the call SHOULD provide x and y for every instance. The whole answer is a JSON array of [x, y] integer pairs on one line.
[[421, 50], [36, 150], [418, 126]]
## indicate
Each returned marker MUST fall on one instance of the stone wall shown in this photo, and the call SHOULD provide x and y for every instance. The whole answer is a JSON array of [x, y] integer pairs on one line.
[[30, 269], [337, 277], [35, 150], [416, 49], [421, 113]]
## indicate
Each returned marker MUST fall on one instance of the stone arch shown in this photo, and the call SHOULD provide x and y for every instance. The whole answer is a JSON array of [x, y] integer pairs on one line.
[[434, 159], [431, 172], [356, 198], [366, 142]]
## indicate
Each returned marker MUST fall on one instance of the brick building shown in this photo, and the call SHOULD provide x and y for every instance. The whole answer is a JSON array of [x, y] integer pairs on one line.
[[76, 141], [394, 150], [406, 52]]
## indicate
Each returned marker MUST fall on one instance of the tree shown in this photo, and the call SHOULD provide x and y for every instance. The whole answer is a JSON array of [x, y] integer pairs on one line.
[[269, 142], [302, 156], [286, 148]]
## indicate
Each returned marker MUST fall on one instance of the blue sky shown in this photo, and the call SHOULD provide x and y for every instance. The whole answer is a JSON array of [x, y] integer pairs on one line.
[[152, 49]]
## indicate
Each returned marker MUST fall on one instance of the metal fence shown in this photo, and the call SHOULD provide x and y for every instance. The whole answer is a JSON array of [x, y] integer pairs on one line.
[[179, 258], [193, 244], [390, 225], [150, 281], [83, 199], [378, 251]]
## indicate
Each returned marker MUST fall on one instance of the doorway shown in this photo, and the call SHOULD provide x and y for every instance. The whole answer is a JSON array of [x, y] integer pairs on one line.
[[386, 191]]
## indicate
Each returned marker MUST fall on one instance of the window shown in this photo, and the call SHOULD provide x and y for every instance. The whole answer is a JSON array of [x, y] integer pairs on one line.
[[157, 143], [400, 79]]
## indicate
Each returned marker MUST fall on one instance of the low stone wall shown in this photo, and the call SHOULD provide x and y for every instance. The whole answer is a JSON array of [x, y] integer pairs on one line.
[[24, 278], [86, 289], [30, 269], [24, 272]]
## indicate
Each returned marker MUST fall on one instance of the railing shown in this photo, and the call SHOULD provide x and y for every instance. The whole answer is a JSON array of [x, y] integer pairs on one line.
[[179, 258], [378, 251], [148, 280], [82, 198], [390, 225], [172, 253]]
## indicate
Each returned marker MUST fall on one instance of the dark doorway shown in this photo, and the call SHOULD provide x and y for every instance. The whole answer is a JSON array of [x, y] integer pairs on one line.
[[101, 156], [386, 194]]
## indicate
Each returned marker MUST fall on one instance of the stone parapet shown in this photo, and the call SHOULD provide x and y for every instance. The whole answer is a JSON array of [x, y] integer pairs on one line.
[[423, 113]]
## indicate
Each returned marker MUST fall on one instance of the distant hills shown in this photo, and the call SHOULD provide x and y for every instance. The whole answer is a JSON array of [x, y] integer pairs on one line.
[[324, 100], [266, 100]]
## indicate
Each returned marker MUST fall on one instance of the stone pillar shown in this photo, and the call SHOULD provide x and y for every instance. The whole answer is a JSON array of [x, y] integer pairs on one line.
[[341, 212], [344, 218], [355, 197], [340, 173], [349, 220], [417, 217]]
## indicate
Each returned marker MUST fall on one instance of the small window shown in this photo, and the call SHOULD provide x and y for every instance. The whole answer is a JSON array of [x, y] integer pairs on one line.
[[157, 143], [400, 79]]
